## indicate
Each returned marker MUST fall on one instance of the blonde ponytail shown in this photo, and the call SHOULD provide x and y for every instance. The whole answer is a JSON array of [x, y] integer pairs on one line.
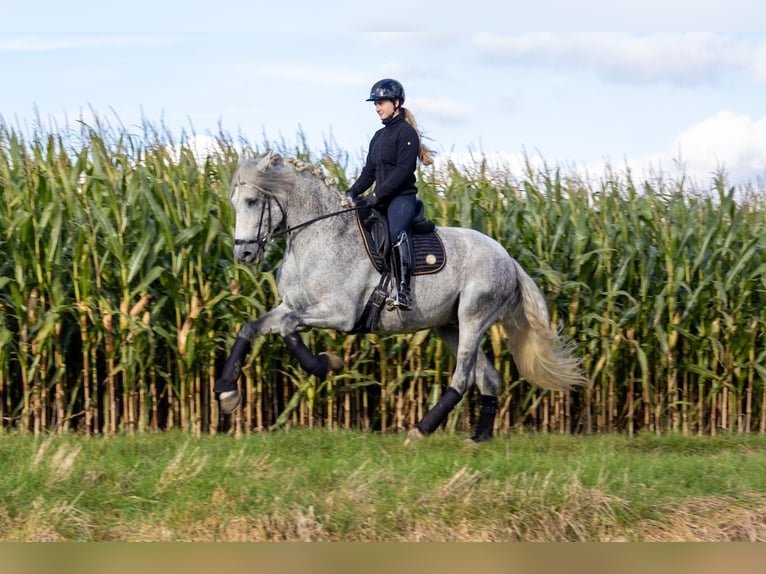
[[425, 154]]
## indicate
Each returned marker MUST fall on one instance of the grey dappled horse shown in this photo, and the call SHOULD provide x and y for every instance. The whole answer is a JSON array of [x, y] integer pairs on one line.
[[326, 279]]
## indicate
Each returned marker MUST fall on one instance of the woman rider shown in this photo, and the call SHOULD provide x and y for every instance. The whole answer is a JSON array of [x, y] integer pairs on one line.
[[390, 165]]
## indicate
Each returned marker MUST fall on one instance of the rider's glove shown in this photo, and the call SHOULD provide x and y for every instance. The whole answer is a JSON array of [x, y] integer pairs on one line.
[[347, 201], [371, 199]]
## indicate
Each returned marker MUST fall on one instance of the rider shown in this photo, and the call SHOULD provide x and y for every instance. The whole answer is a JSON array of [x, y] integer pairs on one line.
[[391, 162]]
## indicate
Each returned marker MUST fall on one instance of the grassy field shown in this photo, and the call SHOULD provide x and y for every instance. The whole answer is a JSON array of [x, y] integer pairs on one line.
[[319, 485]]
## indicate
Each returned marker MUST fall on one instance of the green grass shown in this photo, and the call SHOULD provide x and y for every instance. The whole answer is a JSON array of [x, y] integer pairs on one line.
[[322, 485]]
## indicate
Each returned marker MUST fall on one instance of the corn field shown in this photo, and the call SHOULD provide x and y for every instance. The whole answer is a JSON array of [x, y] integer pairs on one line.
[[119, 298]]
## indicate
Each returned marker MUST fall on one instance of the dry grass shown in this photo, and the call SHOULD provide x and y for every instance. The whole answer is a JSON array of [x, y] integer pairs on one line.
[[711, 519], [587, 516]]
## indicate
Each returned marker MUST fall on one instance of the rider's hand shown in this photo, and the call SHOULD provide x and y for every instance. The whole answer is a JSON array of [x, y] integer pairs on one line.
[[347, 201], [371, 199]]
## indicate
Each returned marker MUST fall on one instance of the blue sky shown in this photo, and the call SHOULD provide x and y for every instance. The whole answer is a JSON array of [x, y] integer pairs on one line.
[[650, 101]]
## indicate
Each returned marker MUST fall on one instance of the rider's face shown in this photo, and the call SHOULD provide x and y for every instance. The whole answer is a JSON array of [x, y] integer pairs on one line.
[[384, 109]]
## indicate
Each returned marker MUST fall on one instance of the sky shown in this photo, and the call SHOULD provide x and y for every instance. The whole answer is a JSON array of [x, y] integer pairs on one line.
[[670, 102]]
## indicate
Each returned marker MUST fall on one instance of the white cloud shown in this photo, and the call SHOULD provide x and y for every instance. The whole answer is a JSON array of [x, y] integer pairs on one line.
[[728, 142], [490, 15], [733, 142], [686, 59]]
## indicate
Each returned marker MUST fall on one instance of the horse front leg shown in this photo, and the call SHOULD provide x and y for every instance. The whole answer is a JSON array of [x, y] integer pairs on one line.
[[317, 365], [226, 386], [276, 321]]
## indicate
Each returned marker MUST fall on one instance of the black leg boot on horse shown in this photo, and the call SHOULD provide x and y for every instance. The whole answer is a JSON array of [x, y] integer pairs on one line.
[[402, 256], [317, 365], [226, 386], [485, 426], [433, 419], [227, 389]]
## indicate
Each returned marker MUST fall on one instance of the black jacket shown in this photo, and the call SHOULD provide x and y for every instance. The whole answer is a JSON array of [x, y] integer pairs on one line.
[[391, 161]]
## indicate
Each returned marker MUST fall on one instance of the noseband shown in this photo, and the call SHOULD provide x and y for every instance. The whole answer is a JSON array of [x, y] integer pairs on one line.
[[265, 214]]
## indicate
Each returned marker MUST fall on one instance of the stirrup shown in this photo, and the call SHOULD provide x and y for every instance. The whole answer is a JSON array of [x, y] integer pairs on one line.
[[399, 302]]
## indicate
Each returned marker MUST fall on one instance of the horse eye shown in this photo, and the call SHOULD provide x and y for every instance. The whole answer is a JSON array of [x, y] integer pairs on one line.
[[251, 201]]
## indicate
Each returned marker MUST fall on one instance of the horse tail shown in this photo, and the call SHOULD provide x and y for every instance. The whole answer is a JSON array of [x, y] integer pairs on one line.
[[539, 354]]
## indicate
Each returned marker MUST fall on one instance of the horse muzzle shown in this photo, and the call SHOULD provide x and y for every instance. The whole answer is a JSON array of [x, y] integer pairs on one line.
[[249, 251]]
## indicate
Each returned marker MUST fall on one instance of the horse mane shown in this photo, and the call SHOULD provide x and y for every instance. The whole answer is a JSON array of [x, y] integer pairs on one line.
[[259, 174]]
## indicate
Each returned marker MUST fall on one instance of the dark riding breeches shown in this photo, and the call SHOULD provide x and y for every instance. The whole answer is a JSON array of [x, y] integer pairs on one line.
[[400, 213]]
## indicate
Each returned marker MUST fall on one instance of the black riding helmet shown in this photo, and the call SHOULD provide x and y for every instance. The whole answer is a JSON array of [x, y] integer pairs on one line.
[[386, 89]]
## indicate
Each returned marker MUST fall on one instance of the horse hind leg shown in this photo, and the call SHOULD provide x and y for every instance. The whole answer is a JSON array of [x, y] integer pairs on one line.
[[487, 378], [486, 424], [488, 381]]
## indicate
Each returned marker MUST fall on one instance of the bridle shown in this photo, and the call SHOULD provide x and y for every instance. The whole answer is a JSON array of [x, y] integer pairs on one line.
[[266, 214]]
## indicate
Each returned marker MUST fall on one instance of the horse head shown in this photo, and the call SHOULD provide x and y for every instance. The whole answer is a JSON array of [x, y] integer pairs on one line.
[[257, 197]]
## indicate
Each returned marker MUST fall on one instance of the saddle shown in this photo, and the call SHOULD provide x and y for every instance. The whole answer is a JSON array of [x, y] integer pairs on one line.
[[427, 246], [427, 250]]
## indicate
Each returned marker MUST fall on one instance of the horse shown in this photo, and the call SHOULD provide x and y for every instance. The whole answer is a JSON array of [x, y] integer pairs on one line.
[[326, 278]]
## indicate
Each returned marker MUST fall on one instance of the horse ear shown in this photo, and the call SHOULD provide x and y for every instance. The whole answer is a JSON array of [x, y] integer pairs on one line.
[[271, 158], [263, 163]]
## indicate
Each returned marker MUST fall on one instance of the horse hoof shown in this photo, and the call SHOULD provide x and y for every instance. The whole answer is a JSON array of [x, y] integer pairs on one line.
[[334, 361], [478, 439], [413, 436], [228, 401]]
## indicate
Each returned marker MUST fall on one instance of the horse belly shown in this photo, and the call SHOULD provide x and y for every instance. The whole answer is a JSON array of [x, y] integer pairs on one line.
[[434, 305]]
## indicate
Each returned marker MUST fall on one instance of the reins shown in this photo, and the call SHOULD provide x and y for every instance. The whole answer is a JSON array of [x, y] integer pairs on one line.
[[310, 221], [263, 242]]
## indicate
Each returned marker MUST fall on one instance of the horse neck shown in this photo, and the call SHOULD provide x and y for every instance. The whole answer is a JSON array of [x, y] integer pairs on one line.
[[309, 199]]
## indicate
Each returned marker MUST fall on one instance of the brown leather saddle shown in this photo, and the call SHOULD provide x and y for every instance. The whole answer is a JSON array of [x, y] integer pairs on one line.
[[427, 246]]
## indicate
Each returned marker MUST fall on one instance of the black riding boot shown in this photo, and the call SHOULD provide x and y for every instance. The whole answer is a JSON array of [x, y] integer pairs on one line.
[[403, 271], [486, 419]]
